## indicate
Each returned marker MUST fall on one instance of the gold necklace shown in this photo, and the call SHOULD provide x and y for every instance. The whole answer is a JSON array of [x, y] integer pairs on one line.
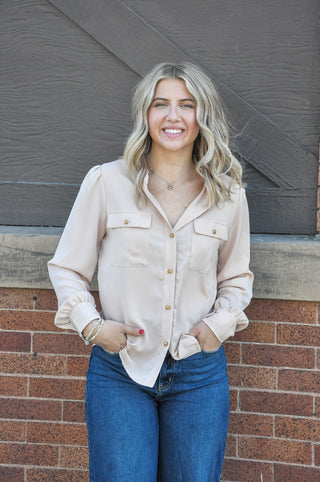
[[170, 184]]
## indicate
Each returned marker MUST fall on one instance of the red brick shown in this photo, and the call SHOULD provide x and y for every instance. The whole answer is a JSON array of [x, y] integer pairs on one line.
[[28, 454], [278, 356], [13, 386], [283, 310], [56, 475], [245, 471], [277, 403], [77, 366], [233, 352], [30, 320], [12, 431], [57, 433], [60, 343], [293, 473], [251, 424], [11, 474], [317, 413], [33, 364], [29, 409], [74, 411], [231, 447], [252, 377], [74, 457], [299, 381], [13, 298], [11, 341], [298, 335], [45, 300], [275, 450], [317, 455], [64, 388], [257, 332], [233, 399], [297, 428]]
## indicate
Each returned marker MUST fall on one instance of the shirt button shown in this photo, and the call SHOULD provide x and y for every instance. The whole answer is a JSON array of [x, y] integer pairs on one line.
[[165, 343], [168, 307], [170, 271], [126, 221], [171, 235], [214, 231]]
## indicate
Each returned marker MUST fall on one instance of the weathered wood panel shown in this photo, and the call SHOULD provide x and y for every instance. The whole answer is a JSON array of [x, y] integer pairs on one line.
[[67, 94], [65, 100]]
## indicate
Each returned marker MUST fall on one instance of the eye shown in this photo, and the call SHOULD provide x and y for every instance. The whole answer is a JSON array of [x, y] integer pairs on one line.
[[159, 104], [187, 106]]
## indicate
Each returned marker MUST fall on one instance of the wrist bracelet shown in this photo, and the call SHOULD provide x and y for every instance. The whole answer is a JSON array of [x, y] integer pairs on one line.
[[98, 330], [88, 338]]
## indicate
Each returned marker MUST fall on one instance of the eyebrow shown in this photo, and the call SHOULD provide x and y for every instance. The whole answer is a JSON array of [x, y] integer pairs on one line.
[[181, 100]]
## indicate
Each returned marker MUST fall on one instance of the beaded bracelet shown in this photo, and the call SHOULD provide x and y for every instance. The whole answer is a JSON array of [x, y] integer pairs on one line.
[[98, 330], [93, 332]]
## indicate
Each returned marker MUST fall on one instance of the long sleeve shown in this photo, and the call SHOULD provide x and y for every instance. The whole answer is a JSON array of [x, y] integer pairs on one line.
[[234, 278], [73, 265]]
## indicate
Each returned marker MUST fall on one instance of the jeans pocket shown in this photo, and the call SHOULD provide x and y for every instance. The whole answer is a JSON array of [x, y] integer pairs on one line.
[[210, 353], [115, 353]]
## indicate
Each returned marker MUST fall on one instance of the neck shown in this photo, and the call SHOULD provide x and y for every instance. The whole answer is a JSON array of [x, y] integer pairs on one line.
[[171, 163]]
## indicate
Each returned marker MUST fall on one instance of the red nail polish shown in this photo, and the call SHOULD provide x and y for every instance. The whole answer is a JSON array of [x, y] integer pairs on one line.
[[141, 332]]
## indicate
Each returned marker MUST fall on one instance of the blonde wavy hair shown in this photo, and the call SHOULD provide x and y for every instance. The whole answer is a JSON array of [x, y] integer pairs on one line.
[[211, 153]]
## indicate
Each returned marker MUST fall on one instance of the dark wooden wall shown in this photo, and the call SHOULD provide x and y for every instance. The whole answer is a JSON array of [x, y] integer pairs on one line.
[[67, 69]]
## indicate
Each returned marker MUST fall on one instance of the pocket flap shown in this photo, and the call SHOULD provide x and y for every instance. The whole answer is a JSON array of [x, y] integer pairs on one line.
[[129, 220], [211, 228]]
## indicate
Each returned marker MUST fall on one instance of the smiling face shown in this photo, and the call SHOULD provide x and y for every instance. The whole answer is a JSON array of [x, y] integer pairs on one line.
[[172, 120]]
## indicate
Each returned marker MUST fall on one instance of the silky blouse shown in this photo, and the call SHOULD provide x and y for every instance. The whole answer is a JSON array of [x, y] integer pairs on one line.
[[151, 275]]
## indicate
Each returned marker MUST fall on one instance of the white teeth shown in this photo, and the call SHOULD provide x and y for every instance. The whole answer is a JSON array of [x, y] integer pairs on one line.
[[173, 131]]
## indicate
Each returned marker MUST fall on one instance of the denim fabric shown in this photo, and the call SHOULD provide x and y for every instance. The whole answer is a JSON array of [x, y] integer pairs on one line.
[[174, 431]]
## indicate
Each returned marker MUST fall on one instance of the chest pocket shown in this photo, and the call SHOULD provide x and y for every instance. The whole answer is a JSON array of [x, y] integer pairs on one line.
[[128, 238], [206, 239]]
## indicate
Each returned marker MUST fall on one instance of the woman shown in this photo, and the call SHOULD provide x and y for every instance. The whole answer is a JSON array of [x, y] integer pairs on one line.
[[168, 227]]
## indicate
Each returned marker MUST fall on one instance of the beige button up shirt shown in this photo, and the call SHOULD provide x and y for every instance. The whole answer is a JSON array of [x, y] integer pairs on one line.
[[151, 275]]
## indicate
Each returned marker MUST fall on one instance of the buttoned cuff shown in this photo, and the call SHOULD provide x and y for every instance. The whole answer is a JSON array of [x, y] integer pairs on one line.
[[77, 312], [225, 320]]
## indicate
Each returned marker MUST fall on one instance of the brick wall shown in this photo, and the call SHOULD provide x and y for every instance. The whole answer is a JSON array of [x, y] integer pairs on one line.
[[274, 432]]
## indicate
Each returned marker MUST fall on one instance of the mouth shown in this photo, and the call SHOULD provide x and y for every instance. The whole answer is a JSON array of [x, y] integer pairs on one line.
[[172, 132]]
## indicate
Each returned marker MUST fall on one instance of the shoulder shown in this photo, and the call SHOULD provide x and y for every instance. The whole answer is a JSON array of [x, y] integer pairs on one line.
[[106, 171], [118, 167]]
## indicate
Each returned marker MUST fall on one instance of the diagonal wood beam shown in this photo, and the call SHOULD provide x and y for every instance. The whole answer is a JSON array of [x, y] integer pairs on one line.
[[140, 46]]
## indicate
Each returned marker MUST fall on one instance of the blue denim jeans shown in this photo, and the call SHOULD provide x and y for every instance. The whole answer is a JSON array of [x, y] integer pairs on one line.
[[174, 431]]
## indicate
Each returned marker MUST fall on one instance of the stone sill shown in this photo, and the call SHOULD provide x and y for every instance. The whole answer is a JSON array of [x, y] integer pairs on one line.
[[285, 267]]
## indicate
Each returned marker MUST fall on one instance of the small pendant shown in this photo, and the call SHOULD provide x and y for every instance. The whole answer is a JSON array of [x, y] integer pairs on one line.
[[170, 186]]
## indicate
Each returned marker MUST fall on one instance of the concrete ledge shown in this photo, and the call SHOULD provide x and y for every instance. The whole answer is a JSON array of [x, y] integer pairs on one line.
[[285, 267]]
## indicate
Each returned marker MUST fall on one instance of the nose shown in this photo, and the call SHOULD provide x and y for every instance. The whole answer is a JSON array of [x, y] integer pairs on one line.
[[173, 113]]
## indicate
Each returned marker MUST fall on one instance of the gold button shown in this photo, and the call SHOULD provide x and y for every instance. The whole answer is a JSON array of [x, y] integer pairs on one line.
[[168, 307], [171, 235], [214, 231], [170, 271], [165, 343], [126, 221]]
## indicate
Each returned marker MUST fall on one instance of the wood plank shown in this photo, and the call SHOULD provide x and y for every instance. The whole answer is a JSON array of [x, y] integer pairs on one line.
[[36, 204], [107, 20]]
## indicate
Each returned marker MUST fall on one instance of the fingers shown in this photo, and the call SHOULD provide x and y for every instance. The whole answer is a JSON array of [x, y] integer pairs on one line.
[[132, 331], [195, 331]]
